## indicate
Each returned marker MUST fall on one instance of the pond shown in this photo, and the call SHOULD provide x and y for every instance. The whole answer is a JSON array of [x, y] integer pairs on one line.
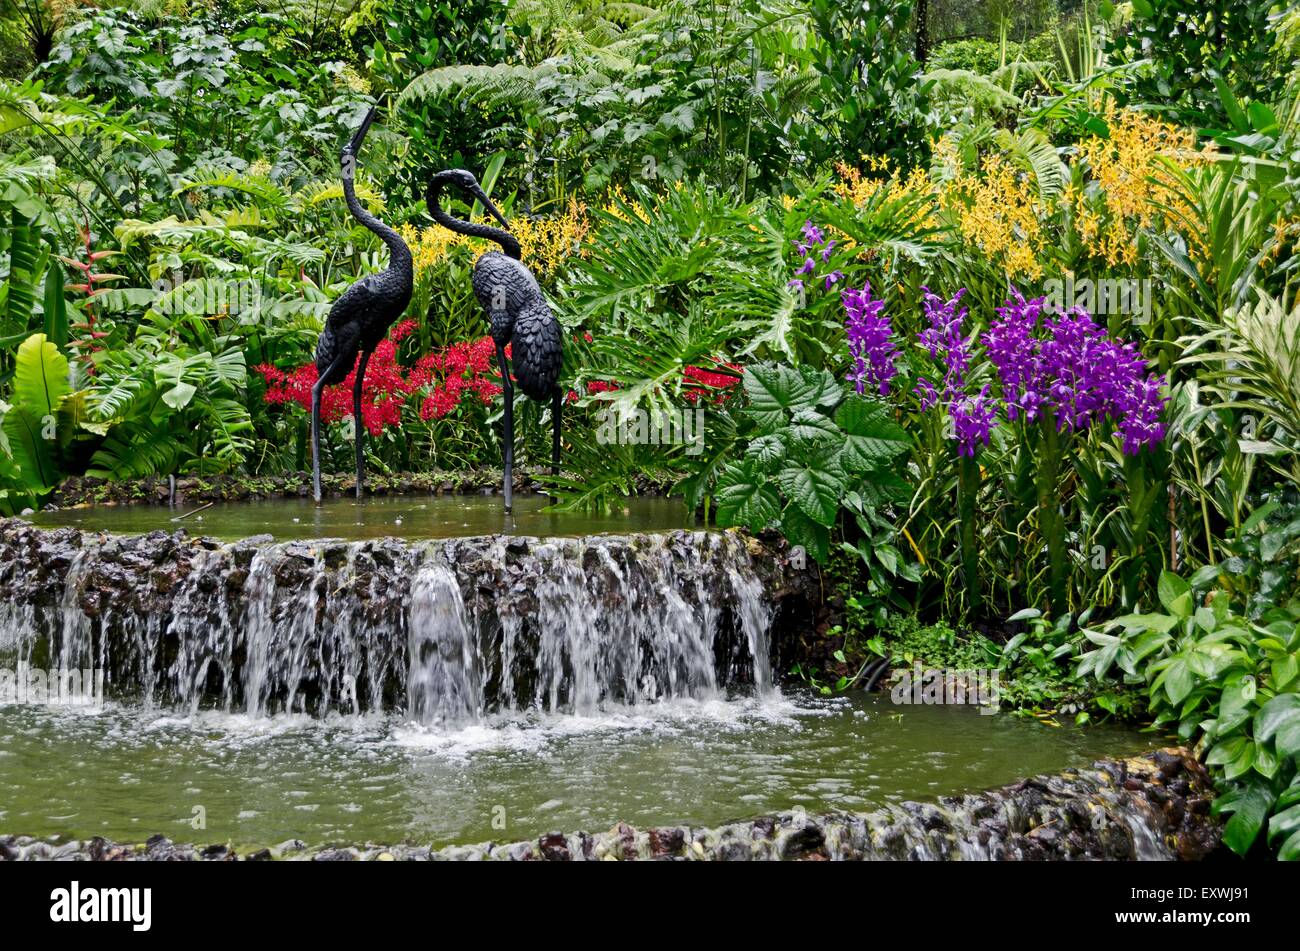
[[125, 773], [412, 517]]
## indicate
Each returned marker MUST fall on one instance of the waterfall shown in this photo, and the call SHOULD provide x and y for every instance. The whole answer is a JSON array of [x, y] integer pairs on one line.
[[444, 632], [444, 683]]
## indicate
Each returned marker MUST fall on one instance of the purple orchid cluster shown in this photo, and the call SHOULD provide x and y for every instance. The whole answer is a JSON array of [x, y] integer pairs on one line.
[[813, 246], [871, 340], [973, 416], [1076, 371]]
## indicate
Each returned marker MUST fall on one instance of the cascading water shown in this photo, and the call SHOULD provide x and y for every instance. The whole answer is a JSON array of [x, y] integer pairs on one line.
[[444, 683], [445, 631]]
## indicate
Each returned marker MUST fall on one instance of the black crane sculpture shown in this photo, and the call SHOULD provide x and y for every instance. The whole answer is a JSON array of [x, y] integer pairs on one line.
[[518, 314], [359, 319]]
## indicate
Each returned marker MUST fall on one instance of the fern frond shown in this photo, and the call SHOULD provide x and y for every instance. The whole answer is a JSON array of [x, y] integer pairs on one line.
[[485, 85]]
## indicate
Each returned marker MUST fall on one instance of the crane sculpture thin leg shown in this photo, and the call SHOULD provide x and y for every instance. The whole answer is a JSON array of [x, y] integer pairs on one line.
[[357, 422], [316, 390], [507, 430], [557, 401]]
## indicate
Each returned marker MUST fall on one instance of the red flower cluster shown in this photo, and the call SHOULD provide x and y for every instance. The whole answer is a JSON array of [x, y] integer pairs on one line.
[[452, 372], [709, 384], [701, 384], [465, 368]]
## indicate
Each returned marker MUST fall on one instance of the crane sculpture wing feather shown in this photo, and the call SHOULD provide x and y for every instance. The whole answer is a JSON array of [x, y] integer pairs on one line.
[[517, 313]]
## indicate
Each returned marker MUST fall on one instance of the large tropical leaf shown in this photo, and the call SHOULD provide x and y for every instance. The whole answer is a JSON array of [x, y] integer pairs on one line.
[[31, 424]]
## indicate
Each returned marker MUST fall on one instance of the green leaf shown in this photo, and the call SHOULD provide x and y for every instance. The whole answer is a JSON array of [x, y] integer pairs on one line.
[[776, 391], [799, 529], [745, 498], [1025, 614], [1262, 118], [888, 557], [1279, 720], [816, 491], [40, 386], [1179, 680], [24, 264], [1175, 594], [1290, 849], [1249, 806], [811, 427], [56, 306], [768, 451], [179, 396], [873, 438]]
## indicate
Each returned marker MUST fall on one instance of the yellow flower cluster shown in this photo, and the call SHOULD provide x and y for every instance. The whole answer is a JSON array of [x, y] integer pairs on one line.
[[549, 241], [353, 80], [430, 245], [997, 211], [545, 243], [1134, 184], [914, 196], [616, 199], [1286, 231], [858, 188]]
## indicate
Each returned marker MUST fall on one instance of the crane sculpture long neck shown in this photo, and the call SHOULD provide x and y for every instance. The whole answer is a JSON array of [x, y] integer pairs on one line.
[[399, 255], [508, 242]]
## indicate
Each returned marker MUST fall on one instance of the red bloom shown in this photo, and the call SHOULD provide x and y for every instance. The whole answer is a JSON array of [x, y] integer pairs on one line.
[[443, 375], [402, 331]]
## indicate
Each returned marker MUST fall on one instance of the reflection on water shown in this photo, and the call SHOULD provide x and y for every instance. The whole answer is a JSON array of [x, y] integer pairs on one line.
[[126, 774], [413, 517]]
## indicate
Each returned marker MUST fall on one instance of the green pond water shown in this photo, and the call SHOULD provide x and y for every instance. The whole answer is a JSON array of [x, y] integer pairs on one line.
[[127, 773], [423, 517]]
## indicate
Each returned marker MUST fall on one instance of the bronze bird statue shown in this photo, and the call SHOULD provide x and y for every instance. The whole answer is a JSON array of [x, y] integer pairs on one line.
[[360, 318], [517, 312]]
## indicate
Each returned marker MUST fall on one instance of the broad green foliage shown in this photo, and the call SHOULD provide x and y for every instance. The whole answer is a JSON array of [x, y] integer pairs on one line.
[[697, 184], [812, 453], [884, 114], [33, 422], [1188, 71], [1227, 683], [170, 402]]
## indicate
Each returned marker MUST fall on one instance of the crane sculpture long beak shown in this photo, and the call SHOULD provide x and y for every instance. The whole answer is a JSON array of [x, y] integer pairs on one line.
[[491, 208]]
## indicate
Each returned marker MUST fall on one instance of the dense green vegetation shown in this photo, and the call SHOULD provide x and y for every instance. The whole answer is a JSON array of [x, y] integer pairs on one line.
[[992, 310]]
